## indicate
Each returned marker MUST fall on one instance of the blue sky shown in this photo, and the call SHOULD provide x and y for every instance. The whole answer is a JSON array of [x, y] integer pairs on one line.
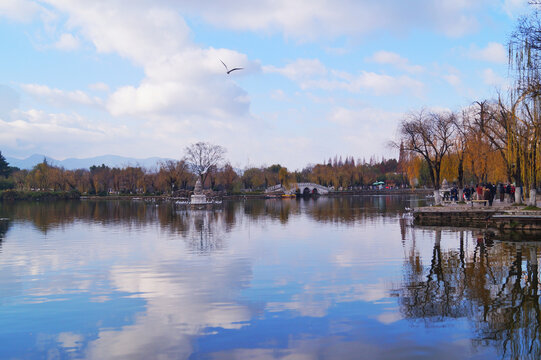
[[144, 78]]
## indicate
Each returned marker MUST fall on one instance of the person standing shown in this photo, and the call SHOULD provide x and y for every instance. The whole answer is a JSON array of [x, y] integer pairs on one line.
[[512, 194], [479, 190], [466, 193], [486, 193], [492, 193]]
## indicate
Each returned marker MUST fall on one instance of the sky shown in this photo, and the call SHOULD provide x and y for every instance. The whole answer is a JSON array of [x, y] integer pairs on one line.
[[320, 78]]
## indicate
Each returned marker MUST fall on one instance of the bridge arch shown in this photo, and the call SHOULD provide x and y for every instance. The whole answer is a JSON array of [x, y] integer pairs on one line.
[[299, 188]]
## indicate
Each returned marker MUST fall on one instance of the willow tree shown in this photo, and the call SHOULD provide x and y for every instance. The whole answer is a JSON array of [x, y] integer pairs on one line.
[[462, 124], [431, 136], [527, 135], [525, 63]]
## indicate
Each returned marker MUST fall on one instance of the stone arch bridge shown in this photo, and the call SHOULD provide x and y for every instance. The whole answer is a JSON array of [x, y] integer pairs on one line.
[[299, 188]]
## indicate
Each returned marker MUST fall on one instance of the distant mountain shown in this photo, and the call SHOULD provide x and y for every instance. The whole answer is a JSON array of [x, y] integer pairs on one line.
[[73, 163]]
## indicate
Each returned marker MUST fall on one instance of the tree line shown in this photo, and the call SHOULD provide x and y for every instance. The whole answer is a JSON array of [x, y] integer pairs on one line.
[[202, 161]]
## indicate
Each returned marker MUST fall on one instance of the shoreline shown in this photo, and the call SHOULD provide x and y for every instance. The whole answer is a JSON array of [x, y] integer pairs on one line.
[[264, 196], [503, 219], [15, 195]]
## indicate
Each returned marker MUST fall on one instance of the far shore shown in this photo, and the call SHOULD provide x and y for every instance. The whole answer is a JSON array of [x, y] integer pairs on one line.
[[15, 195], [259, 195]]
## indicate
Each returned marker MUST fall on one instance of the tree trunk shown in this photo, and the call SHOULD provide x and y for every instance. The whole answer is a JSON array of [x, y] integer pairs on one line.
[[437, 197], [461, 173], [518, 195], [203, 178], [437, 172], [532, 200]]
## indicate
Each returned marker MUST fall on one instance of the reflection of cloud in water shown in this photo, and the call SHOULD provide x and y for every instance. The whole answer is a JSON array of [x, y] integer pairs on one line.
[[182, 300], [315, 301], [69, 341], [338, 347], [389, 317]]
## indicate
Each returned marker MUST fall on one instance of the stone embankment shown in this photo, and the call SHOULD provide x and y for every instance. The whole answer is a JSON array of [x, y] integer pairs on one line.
[[502, 218], [383, 192]]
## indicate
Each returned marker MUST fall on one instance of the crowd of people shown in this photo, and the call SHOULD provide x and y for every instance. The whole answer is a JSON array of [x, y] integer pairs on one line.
[[484, 192]]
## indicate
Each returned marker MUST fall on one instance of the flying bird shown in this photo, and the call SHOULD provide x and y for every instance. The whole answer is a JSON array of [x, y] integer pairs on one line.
[[227, 69]]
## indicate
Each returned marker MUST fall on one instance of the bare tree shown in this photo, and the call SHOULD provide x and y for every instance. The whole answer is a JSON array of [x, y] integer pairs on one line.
[[429, 135], [202, 156]]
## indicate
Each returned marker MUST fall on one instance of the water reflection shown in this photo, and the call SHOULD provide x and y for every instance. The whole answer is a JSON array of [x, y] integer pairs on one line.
[[49, 215], [4, 227], [495, 286], [317, 278], [206, 229]]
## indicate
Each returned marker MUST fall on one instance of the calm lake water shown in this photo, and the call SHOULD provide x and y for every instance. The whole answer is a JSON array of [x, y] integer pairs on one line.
[[327, 278]]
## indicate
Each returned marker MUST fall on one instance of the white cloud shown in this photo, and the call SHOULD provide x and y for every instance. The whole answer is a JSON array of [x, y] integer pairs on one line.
[[299, 70], [139, 33], [9, 100], [390, 58], [490, 77], [190, 82], [19, 10], [67, 42], [36, 130], [60, 97], [379, 124], [513, 8], [337, 50], [388, 85], [312, 74], [452, 79], [279, 95], [99, 86], [493, 52], [314, 19], [181, 79]]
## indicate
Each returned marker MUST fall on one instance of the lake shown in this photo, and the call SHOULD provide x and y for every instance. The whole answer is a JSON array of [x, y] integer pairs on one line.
[[325, 278]]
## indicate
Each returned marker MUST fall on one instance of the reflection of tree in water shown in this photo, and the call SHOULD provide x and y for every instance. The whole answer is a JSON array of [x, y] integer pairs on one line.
[[439, 293], [205, 230], [512, 316], [495, 287], [4, 227], [52, 214], [349, 209], [343, 209], [133, 214], [275, 209]]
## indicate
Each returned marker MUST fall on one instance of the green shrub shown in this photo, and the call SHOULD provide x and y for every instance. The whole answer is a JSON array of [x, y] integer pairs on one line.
[[6, 184]]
